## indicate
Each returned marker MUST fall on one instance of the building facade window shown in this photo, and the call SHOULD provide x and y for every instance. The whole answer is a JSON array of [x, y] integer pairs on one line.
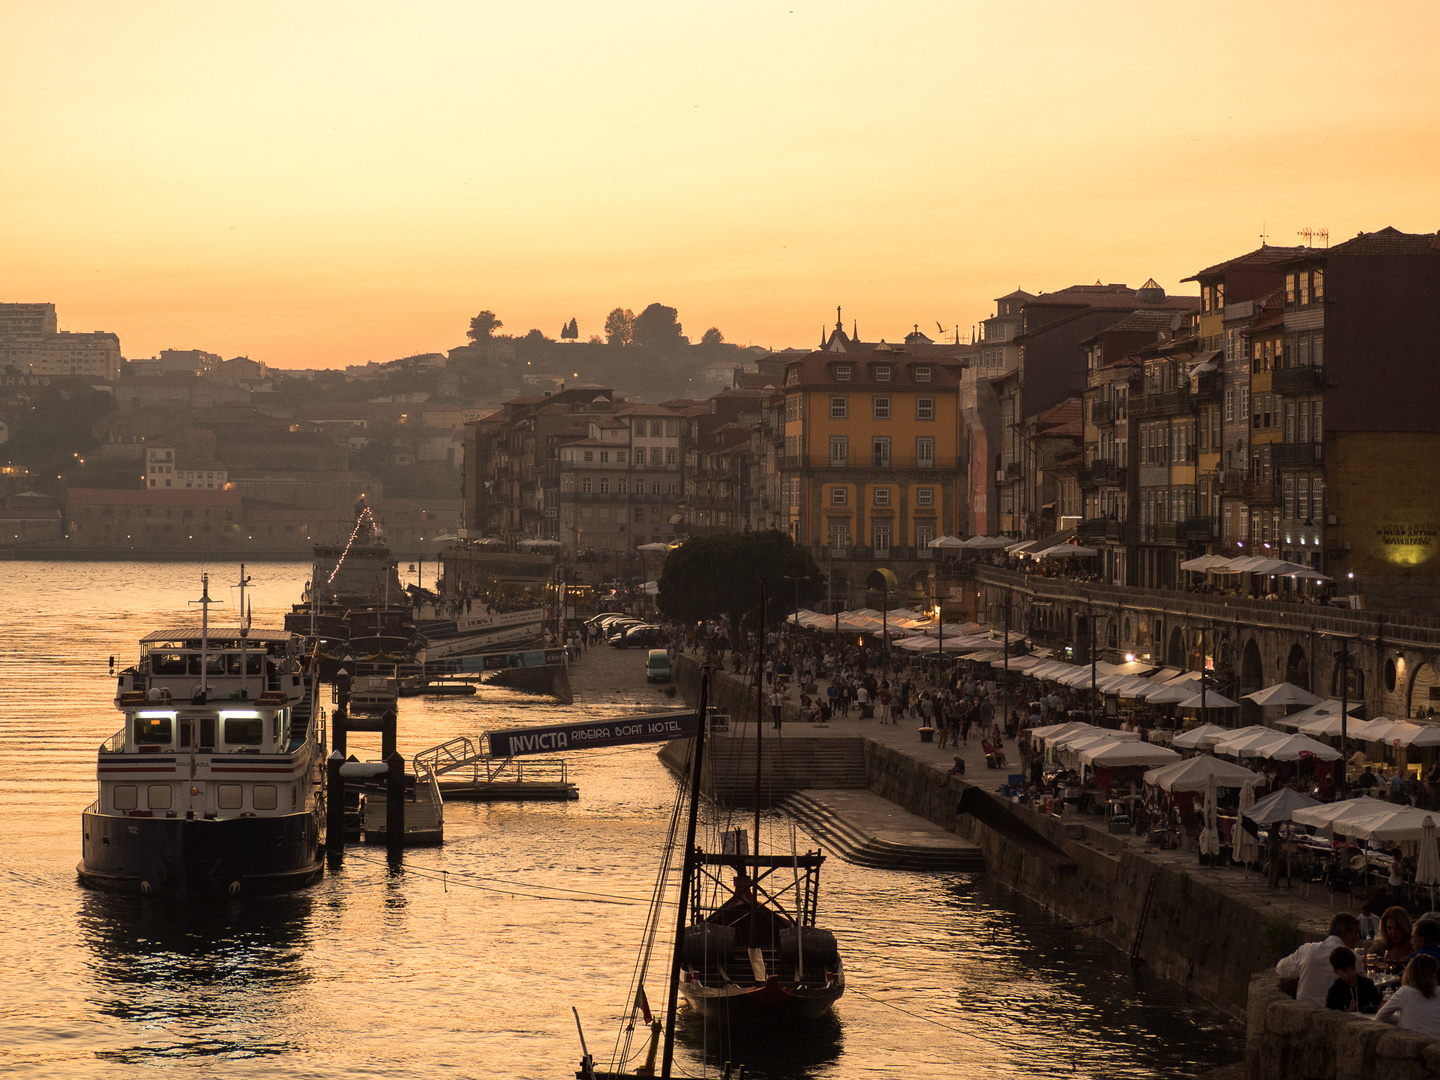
[[839, 496], [922, 374], [882, 373], [842, 372], [881, 408], [839, 538], [839, 451], [881, 538], [839, 407], [880, 451], [924, 496], [585, 484], [925, 453], [882, 496], [925, 408], [604, 485], [924, 533]]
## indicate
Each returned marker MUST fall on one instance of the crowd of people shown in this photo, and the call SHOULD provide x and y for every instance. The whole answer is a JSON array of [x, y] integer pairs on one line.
[[1336, 972]]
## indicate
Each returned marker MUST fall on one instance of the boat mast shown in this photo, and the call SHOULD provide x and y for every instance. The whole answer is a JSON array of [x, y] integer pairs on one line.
[[244, 633], [682, 912], [759, 740], [204, 603]]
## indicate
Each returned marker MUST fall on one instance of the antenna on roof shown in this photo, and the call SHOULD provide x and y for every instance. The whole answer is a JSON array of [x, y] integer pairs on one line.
[[1263, 234], [1311, 235]]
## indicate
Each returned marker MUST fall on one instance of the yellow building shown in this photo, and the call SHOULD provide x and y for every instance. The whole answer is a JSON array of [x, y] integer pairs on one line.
[[871, 467]]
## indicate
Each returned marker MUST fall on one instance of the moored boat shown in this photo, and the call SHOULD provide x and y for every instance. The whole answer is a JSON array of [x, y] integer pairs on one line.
[[213, 785]]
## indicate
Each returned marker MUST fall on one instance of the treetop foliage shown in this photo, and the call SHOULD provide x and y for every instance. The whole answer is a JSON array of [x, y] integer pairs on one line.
[[710, 576]]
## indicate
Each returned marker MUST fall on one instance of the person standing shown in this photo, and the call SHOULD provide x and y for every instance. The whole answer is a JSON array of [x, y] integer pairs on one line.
[[777, 704]]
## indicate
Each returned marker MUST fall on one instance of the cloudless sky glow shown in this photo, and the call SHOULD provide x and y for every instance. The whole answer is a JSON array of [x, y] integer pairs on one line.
[[316, 184]]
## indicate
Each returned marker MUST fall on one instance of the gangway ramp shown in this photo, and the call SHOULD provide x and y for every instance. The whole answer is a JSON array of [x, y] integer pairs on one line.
[[464, 771]]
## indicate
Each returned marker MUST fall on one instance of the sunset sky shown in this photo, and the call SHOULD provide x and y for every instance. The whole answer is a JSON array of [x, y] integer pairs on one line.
[[318, 184]]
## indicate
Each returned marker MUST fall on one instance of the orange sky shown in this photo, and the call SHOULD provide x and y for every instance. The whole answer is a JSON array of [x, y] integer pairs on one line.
[[315, 184]]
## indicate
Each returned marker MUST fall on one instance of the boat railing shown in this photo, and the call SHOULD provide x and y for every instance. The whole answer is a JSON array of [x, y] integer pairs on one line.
[[114, 744]]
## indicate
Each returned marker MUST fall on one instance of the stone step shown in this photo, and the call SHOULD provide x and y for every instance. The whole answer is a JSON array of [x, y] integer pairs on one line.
[[854, 844]]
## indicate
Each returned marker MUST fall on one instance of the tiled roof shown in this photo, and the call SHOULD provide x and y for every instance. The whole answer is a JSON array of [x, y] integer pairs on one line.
[[1137, 322], [1390, 241], [1261, 256], [817, 370], [151, 497]]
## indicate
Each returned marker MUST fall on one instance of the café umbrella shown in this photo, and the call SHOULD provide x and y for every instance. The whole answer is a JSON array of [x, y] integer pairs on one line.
[[1193, 774], [1283, 693], [1246, 848], [1427, 860], [1210, 834], [1278, 807]]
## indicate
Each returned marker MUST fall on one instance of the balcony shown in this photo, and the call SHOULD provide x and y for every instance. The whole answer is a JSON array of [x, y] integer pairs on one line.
[[1238, 485], [1102, 412], [1304, 455], [1100, 529], [791, 461], [1197, 528], [1298, 380], [1207, 385], [1014, 470], [1102, 472], [1170, 402]]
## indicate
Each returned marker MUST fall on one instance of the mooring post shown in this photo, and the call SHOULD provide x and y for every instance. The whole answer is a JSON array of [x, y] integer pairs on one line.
[[334, 805], [339, 721], [395, 803], [388, 725]]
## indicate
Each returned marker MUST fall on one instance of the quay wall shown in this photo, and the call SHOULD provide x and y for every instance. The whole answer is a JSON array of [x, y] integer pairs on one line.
[[1180, 927], [1286, 1040]]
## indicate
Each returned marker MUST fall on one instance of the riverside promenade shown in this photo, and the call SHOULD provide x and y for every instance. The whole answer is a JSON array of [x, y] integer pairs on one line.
[[1208, 928]]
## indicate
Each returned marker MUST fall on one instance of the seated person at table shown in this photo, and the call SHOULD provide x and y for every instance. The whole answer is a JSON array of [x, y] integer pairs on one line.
[[1392, 944], [1425, 936], [1310, 964], [1416, 1005], [1351, 991]]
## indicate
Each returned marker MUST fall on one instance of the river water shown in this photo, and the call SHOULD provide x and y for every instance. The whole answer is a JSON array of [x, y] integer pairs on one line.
[[467, 960]]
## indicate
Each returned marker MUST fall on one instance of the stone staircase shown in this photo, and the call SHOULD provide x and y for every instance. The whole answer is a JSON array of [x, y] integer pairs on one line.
[[787, 766], [854, 845]]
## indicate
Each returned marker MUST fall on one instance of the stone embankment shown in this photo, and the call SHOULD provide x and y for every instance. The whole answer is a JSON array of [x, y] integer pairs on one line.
[[1286, 1040]]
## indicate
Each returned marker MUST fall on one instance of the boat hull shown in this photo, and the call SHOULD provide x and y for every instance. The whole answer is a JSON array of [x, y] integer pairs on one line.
[[194, 858], [758, 1006]]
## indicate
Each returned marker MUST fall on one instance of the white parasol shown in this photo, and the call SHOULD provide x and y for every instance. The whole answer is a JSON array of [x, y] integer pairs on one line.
[[1245, 847], [1210, 834], [1283, 693], [1427, 864]]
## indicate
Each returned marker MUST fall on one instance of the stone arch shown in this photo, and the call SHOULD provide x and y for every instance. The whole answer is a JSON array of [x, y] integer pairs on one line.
[[1175, 654], [878, 591], [1252, 678], [1297, 667], [918, 587], [1424, 690]]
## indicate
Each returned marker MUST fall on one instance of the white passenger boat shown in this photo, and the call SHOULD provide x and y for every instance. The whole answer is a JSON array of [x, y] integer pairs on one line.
[[213, 785]]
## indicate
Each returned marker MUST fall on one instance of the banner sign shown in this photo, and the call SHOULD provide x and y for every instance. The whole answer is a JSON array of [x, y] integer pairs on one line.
[[560, 738]]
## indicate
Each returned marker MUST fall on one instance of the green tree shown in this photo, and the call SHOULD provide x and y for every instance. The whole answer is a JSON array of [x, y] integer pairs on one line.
[[658, 328], [570, 331], [620, 326], [718, 575], [713, 336], [483, 326]]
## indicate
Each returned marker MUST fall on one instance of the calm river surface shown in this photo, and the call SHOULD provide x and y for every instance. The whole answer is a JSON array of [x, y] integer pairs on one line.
[[467, 961]]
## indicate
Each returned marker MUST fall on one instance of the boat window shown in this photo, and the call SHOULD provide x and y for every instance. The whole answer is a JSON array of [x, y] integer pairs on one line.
[[207, 733], [126, 796], [227, 796], [158, 796], [244, 731], [265, 797], [153, 730], [167, 663]]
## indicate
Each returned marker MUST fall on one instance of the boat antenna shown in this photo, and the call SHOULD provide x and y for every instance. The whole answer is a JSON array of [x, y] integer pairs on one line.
[[205, 603], [244, 630], [687, 871]]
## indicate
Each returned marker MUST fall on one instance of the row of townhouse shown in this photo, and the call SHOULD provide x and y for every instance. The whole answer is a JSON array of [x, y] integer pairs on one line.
[[1292, 416]]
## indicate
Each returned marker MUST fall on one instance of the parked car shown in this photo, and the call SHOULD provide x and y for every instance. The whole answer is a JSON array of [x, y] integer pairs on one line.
[[642, 635], [657, 665]]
